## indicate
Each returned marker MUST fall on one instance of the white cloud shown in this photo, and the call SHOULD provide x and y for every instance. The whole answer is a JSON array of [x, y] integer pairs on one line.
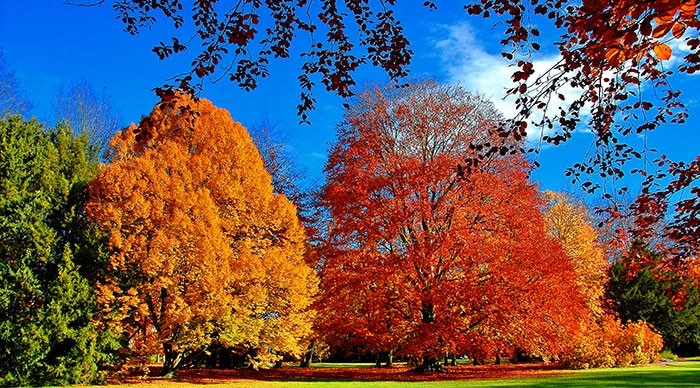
[[467, 63]]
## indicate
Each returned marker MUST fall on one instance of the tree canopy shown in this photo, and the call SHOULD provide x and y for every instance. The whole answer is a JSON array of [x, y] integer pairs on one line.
[[420, 261], [610, 52], [570, 223], [204, 254]]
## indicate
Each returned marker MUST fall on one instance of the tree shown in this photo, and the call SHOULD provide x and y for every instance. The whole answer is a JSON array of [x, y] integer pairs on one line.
[[203, 255], [608, 49], [420, 261], [570, 223], [638, 293], [603, 340], [278, 161], [49, 258], [12, 100], [87, 112]]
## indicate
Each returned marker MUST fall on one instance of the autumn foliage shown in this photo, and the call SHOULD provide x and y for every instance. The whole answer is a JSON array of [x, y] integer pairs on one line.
[[608, 343], [570, 223], [612, 76], [603, 340], [420, 260], [203, 255], [618, 59]]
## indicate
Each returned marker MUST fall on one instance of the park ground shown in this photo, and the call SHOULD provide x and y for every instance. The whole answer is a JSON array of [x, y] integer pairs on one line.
[[680, 373]]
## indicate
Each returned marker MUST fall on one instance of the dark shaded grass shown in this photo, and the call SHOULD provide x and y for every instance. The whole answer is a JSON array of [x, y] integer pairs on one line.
[[676, 374]]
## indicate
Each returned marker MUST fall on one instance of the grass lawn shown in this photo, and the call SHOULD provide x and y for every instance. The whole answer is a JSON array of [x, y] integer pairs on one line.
[[675, 374]]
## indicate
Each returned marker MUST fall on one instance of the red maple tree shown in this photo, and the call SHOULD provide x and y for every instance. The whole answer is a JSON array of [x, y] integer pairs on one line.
[[421, 261]]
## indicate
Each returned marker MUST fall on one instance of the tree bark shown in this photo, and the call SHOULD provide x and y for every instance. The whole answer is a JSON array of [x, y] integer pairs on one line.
[[306, 358], [170, 359], [430, 364], [390, 359]]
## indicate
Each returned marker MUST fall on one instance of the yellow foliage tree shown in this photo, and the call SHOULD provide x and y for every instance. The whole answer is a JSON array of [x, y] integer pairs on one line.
[[603, 340], [203, 253], [570, 223]]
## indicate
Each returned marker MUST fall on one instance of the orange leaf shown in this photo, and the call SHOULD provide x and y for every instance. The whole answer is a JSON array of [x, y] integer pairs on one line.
[[662, 29], [688, 10], [662, 51], [663, 19], [678, 30], [615, 56]]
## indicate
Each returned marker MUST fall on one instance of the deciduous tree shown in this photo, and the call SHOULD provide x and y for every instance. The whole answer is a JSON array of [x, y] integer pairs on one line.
[[570, 223], [420, 260], [204, 253], [12, 100], [88, 112]]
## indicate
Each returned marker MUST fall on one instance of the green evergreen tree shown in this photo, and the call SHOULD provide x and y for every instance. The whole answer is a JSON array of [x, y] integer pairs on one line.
[[49, 259], [646, 296]]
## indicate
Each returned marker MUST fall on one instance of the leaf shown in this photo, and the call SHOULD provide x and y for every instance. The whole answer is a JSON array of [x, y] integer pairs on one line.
[[662, 51], [615, 56], [663, 29], [688, 9], [678, 30]]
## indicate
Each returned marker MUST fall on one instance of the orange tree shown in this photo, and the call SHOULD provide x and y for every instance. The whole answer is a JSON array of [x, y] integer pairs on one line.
[[203, 254], [421, 261]]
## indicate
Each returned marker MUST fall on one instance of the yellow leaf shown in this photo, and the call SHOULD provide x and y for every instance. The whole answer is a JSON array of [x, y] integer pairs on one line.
[[662, 51]]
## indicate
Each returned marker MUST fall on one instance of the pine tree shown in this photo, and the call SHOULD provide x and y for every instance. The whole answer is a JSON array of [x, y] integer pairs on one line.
[[47, 304]]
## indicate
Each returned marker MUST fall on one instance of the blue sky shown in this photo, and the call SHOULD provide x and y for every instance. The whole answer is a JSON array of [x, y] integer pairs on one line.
[[48, 45]]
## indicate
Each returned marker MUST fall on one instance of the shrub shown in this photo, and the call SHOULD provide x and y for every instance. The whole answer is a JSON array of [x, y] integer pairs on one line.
[[606, 343]]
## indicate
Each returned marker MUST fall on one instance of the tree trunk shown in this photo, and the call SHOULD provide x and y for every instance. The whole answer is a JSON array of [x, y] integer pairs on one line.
[[430, 364], [306, 358], [411, 361], [454, 360], [498, 359], [390, 359], [170, 359], [378, 361]]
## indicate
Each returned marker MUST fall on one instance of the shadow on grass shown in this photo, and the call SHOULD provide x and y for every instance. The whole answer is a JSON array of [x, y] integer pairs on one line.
[[677, 374], [367, 374], [674, 375]]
